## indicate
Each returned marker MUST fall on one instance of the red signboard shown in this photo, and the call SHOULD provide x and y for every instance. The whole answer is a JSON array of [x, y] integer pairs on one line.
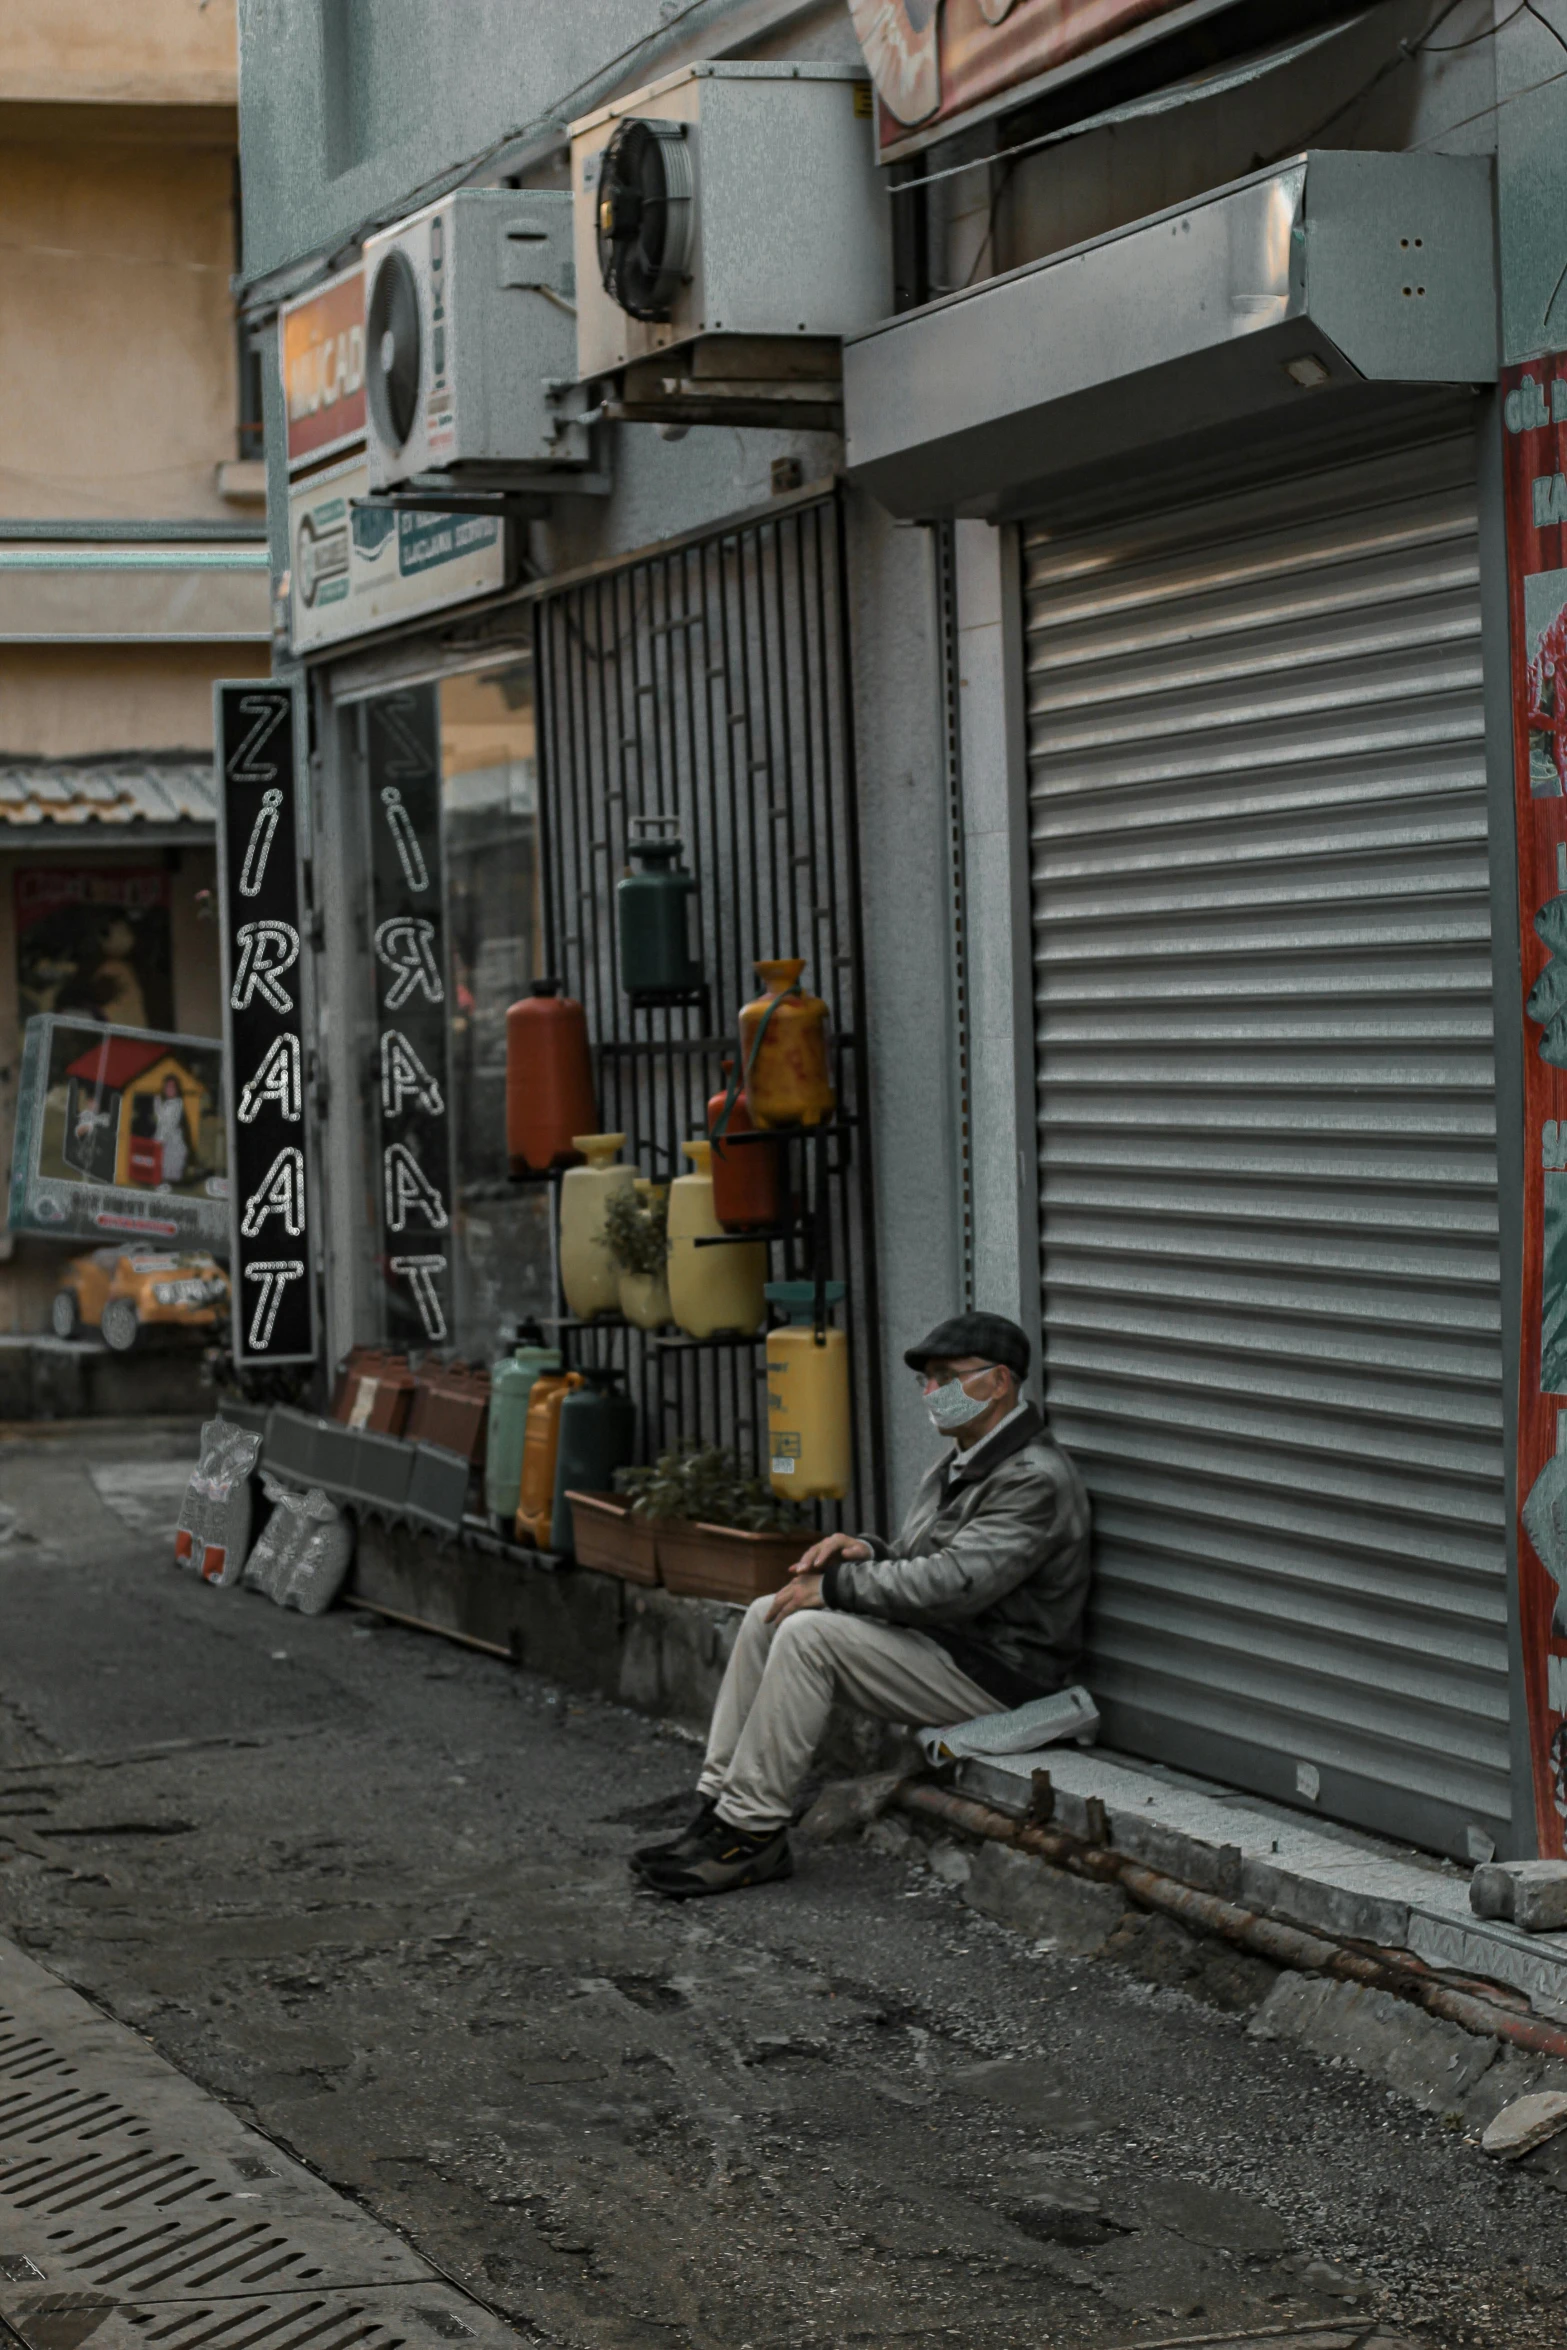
[[1535, 412], [932, 60], [322, 344]]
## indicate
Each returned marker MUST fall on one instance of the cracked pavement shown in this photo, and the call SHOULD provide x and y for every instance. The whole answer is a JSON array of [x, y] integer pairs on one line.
[[369, 1888]]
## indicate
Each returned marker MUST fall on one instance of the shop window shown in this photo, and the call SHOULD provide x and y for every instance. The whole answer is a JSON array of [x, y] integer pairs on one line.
[[457, 1254], [95, 940], [489, 810]]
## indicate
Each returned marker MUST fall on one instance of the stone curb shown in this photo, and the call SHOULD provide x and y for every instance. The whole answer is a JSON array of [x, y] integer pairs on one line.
[[1271, 1861]]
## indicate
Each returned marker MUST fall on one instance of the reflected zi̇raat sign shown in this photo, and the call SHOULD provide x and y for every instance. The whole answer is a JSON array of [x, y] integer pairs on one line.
[[411, 1081], [271, 1251], [119, 1135]]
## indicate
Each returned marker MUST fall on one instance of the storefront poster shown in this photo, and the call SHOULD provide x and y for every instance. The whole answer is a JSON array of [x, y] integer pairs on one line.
[[411, 1078], [264, 1025], [1534, 409], [119, 1133], [94, 940], [354, 568], [933, 60]]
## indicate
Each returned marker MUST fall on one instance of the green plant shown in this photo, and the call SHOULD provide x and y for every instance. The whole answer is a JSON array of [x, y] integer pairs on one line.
[[706, 1483], [636, 1229]]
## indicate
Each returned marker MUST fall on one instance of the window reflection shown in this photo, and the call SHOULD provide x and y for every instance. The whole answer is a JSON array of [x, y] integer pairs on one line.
[[490, 819]]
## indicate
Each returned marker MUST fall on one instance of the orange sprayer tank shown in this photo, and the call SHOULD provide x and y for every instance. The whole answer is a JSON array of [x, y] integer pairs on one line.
[[549, 1081], [746, 1180], [783, 1050], [539, 1446]]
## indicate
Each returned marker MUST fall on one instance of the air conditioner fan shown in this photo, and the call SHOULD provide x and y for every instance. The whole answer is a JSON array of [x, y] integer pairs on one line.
[[645, 216], [392, 348]]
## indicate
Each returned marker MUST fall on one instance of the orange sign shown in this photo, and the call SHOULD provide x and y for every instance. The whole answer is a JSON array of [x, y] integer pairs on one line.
[[323, 357], [932, 60]]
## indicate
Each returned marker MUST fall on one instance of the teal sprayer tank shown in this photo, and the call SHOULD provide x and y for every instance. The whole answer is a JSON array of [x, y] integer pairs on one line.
[[598, 1435], [511, 1384], [656, 917]]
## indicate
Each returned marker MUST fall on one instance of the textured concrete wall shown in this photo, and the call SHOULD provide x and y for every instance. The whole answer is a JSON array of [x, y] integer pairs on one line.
[[906, 852], [997, 921], [345, 107]]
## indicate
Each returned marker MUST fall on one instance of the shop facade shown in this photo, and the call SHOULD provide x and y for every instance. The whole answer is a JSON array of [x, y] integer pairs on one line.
[[1119, 722], [1230, 579], [501, 701]]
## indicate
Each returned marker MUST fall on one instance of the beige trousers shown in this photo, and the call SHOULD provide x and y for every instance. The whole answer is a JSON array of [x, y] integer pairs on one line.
[[778, 1690]]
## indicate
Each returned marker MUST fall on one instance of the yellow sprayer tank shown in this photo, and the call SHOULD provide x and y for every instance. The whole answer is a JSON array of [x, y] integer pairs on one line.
[[808, 1431], [716, 1288]]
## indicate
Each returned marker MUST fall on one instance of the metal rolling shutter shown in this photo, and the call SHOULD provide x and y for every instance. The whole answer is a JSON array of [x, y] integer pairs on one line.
[[1267, 1130]]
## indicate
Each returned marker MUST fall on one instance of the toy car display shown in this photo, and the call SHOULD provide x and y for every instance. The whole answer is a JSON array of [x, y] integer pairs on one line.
[[120, 1292]]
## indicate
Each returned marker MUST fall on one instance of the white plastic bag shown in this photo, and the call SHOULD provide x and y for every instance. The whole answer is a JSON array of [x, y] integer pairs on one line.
[[1043, 1721], [304, 1552], [213, 1533]]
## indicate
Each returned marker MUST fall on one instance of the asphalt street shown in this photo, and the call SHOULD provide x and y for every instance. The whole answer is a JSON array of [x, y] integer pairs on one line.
[[369, 1889]]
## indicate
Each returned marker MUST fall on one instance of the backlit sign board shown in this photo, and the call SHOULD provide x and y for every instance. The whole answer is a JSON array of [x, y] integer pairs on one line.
[[933, 61], [270, 1250], [321, 346]]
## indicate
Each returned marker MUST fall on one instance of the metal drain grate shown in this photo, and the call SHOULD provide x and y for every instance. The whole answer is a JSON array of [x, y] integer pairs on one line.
[[110, 2180], [262, 2325], [377, 2320], [137, 2213], [22, 2053]]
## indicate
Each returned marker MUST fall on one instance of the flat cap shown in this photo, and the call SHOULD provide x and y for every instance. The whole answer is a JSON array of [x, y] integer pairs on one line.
[[990, 1336]]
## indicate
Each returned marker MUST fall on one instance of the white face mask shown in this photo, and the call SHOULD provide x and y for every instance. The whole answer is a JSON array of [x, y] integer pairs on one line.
[[951, 1406]]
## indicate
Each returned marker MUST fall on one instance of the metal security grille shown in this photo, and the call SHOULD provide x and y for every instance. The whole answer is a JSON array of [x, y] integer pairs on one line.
[[1267, 1132], [709, 682]]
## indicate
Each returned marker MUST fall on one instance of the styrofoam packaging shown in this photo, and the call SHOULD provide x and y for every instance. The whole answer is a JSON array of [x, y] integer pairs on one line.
[[304, 1552], [213, 1533]]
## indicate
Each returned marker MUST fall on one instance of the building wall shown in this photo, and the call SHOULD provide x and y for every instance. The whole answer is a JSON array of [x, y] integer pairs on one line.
[[118, 52], [118, 396], [349, 106], [91, 701]]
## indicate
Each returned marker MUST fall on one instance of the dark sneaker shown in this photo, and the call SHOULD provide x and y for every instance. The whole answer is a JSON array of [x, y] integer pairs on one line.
[[676, 1847], [721, 1860]]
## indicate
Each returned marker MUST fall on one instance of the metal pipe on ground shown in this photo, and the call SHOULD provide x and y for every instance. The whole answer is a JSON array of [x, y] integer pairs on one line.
[[1270, 1938]]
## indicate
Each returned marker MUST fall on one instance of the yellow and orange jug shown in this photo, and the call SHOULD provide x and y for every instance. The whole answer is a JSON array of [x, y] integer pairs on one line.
[[783, 1050]]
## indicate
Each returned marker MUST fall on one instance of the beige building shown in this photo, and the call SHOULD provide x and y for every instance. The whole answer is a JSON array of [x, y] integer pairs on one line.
[[133, 561]]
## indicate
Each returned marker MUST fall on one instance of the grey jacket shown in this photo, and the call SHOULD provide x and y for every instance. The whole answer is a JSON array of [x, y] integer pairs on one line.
[[992, 1561]]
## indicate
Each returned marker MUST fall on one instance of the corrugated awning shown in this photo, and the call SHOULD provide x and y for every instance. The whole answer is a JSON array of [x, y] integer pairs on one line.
[[162, 792]]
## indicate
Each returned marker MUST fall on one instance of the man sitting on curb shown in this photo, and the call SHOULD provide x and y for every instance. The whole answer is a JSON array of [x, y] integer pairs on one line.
[[977, 1607]]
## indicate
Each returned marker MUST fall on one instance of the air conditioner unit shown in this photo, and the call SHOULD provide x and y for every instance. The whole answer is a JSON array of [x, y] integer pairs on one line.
[[730, 229], [470, 340]]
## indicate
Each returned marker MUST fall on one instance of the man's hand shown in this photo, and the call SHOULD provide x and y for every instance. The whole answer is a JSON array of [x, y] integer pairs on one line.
[[821, 1554], [802, 1590]]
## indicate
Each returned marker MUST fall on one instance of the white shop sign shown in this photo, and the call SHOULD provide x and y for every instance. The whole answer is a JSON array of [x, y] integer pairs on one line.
[[354, 569]]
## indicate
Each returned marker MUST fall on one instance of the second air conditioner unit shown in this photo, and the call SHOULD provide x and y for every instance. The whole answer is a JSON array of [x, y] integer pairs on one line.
[[730, 229], [470, 340]]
